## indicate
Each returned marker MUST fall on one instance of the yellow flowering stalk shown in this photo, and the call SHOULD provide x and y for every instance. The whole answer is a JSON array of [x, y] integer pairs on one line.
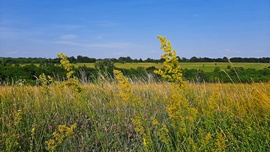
[[63, 133], [179, 110], [126, 93], [192, 145], [172, 72], [143, 131], [211, 107], [45, 80], [18, 117], [171, 69], [220, 143], [162, 133], [147, 140], [123, 83], [208, 138], [72, 82], [206, 141], [130, 98], [66, 64]]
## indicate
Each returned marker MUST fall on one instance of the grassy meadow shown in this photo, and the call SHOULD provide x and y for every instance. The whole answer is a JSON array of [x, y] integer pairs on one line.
[[204, 66], [117, 114], [211, 117]]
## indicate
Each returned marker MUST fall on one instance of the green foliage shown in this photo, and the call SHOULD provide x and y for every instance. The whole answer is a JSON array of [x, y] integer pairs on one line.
[[104, 65], [10, 74], [217, 69]]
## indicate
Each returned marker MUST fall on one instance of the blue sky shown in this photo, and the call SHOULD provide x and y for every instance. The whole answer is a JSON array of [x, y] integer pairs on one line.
[[114, 28]]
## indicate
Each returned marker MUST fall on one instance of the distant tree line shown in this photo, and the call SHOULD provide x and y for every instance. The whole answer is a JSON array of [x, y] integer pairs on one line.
[[225, 59], [29, 73], [85, 59], [28, 69]]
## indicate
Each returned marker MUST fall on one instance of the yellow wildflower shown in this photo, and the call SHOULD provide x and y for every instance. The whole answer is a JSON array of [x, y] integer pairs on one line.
[[220, 142], [66, 64], [33, 130], [125, 92], [208, 138], [63, 133], [18, 117], [171, 69]]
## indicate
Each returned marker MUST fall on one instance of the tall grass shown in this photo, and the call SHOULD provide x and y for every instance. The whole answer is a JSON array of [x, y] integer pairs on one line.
[[229, 117]]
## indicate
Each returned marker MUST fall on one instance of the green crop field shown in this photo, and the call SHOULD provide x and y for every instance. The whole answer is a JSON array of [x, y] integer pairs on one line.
[[205, 66]]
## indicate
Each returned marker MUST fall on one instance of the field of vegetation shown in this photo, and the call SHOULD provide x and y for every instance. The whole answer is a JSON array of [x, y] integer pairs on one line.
[[209, 72], [204, 66], [118, 114]]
